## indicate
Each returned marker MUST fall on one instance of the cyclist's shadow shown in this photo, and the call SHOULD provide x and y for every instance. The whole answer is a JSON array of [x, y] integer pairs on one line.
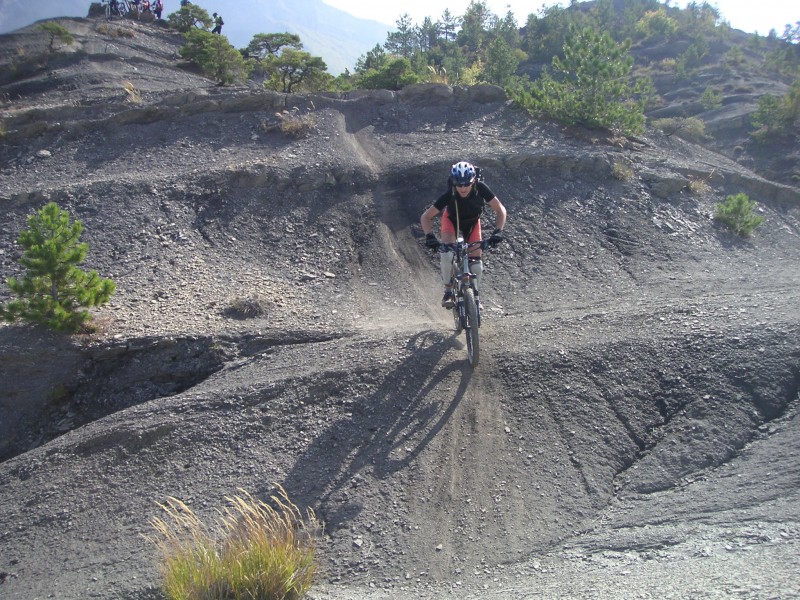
[[380, 425]]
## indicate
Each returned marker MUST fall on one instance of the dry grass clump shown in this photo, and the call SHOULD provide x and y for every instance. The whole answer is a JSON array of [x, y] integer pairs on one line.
[[699, 187], [256, 551], [134, 95], [295, 123], [248, 307], [437, 75]]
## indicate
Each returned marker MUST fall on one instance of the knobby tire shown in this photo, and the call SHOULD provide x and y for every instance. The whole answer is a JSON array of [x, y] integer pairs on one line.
[[471, 327]]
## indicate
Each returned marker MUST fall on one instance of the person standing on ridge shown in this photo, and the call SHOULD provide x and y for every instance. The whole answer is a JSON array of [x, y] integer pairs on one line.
[[462, 205], [218, 23]]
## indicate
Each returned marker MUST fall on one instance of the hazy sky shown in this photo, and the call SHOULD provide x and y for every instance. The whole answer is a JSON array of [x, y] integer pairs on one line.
[[748, 15]]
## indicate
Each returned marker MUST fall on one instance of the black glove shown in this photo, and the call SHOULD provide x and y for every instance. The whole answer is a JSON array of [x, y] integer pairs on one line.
[[497, 237], [431, 241]]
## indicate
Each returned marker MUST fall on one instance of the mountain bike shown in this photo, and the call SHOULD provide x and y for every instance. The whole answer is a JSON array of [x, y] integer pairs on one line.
[[133, 6], [119, 8], [467, 308]]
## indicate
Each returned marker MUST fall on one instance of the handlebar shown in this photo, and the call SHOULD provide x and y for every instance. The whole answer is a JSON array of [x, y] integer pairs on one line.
[[464, 246]]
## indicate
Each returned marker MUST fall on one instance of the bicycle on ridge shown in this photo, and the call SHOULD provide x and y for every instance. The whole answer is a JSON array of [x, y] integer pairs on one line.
[[115, 7]]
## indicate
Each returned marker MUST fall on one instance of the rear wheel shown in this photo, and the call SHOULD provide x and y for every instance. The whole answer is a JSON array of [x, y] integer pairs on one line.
[[471, 327]]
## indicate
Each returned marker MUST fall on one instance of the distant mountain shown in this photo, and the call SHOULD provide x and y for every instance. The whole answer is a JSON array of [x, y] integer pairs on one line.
[[339, 38]]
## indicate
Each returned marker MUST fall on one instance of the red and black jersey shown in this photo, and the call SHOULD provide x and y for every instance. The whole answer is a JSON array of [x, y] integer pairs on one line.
[[464, 212]]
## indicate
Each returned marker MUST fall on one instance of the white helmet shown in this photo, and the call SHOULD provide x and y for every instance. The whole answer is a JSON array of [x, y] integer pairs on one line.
[[462, 173]]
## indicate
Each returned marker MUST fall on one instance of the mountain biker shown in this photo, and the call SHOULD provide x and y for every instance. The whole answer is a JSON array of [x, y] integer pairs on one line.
[[218, 23], [462, 206]]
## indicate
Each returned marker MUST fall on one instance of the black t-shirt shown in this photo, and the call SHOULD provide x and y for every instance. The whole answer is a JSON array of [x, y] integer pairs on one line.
[[465, 210]]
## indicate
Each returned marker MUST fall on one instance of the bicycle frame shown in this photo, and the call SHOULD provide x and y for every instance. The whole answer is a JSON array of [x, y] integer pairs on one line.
[[120, 9], [461, 277], [466, 312]]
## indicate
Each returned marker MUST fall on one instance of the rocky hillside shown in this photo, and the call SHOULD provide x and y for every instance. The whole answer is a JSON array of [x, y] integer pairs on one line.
[[738, 69], [633, 423]]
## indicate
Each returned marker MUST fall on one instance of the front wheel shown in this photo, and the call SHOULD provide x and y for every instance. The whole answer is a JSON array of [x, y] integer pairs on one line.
[[457, 319], [471, 327]]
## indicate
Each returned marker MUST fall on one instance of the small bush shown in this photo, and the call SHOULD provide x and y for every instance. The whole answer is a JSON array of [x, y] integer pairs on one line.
[[256, 551], [621, 171], [737, 213], [690, 129], [122, 32], [668, 64]]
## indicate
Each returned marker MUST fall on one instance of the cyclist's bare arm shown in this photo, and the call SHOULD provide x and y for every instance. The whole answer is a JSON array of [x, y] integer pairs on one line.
[[426, 220], [499, 211]]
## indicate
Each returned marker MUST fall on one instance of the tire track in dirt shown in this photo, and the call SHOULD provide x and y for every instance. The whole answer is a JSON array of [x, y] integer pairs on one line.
[[474, 500], [469, 498], [401, 285]]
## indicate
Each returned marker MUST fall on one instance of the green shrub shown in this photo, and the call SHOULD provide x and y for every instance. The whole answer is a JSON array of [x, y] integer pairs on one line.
[[737, 213], [621, 171], [656, 22], [394, 74], [769, 118], [711, 99], [54, 291], [256, 552]]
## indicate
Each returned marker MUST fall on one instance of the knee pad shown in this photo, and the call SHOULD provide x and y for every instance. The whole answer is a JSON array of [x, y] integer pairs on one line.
[[446, 260], [476, 268]]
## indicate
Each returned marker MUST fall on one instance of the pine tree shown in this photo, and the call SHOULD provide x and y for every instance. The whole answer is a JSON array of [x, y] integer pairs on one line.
[[54, 291], [56, 32], [215, 56], [737, 213], [590, 85]]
